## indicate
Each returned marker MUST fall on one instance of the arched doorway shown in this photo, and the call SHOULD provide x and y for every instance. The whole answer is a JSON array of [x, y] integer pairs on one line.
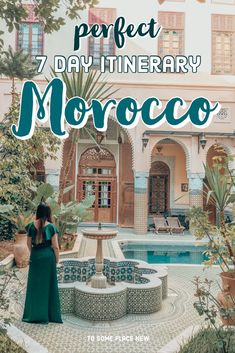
[[97, 176], [159, 188]]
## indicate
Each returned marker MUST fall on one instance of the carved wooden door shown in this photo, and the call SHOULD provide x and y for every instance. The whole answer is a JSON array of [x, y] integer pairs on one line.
[[159, 188], [97, 177], [158, 194]]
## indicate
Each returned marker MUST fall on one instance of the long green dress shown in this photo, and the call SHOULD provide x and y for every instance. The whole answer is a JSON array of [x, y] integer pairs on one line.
[[42, 304]]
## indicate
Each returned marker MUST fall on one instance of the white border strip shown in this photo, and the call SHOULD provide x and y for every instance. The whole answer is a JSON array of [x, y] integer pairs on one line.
[[24, 341]]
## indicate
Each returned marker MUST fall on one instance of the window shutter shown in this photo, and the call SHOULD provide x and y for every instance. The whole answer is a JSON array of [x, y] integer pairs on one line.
[[102, 15], [171, 20], [223, 23]]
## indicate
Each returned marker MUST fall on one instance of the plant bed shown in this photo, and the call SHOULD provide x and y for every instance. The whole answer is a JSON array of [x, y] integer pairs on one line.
[[207, 341], [6, 248], [8, 346]]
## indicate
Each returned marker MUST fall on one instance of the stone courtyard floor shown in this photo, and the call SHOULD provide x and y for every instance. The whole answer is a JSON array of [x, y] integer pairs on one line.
[[156, 330], [76, 335]]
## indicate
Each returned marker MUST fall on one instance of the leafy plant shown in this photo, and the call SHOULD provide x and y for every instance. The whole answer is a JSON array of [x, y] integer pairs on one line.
[[41, 193], [66, 216], [18, 158], [220, 185], [5, 308], [8, 346], [209, 307], [16, 65], [14, 12], [6, 314], [18, 218], [205, 341]]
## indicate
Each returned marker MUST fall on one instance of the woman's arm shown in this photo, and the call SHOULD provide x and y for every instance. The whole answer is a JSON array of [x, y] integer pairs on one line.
[[55, 247]]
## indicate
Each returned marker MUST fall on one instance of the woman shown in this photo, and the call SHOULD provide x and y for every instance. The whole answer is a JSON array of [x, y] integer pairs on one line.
[[42, 303]]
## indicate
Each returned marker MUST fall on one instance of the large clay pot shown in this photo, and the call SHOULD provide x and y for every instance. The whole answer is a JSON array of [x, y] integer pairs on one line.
[[226, 297], [21, 251], [227, 302], [228, 282]]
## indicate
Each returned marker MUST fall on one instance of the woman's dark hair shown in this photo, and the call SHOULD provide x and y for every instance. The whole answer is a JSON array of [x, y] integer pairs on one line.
[[43, 214]]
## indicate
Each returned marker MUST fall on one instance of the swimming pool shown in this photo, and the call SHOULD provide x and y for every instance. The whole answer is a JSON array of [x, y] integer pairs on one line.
[[170, 253]]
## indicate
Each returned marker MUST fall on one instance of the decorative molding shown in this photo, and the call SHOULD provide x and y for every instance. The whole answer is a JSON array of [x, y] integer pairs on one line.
[[224, 116], [93, 153]]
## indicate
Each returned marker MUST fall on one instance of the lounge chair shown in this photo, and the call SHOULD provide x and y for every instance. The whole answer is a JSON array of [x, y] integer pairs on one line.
[[175, 225], [161, 225]]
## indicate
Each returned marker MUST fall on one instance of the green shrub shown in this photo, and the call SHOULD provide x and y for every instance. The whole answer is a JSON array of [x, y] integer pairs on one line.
[[206, 341], [6, 230], [8, 346]]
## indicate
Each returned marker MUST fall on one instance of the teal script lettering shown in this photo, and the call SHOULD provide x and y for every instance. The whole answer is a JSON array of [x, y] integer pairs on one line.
[[52, 107]]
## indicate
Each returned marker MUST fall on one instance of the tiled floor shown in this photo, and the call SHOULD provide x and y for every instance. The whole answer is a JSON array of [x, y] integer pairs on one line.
[[76, 335], [81, 336]]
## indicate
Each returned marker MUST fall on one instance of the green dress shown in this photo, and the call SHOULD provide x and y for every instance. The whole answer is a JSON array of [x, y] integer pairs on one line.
[[42, 304]]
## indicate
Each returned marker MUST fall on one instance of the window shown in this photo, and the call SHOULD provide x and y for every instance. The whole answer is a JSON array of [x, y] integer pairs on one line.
[[30, 36], [223, 37], [223, 2], [101, 46], [100, 171], [171, 39], [104, 194]]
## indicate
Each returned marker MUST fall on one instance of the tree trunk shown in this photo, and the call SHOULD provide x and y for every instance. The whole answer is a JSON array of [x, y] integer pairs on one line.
[[66, 170], [13, 90]]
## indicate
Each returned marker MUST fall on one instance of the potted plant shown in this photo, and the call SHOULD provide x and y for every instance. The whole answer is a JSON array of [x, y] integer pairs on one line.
[[221, 238], [19, 221]]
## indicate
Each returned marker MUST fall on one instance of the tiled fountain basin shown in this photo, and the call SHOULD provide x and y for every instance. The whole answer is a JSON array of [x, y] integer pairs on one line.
[[134, 287]]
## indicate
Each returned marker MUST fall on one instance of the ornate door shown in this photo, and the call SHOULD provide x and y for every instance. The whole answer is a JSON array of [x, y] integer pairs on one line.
[[126, 186], [159, 188], [97, 177]]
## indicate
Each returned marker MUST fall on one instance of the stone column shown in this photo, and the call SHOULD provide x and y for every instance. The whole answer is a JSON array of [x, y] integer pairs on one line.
[[53, 178], [141, 202], [196, 189], [53, 168]]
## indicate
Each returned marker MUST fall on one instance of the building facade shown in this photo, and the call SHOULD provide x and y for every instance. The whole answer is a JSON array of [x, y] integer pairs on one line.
[[141, 172]]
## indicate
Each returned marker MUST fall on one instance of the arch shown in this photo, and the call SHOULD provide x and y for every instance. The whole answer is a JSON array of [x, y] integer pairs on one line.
[[214, 151], [183, 146], [177, 161], [160, 168], [97, 155], [227, 148]]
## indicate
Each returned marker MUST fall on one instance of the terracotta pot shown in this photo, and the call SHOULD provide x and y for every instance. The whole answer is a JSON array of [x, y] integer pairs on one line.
[[228, 282], [21, 251], [227, 302]]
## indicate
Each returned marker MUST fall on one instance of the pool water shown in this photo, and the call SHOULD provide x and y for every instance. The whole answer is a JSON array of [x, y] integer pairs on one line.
[[164, 254]]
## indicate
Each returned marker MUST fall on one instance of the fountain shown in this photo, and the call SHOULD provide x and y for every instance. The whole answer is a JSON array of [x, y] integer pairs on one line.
[[99, 280], [100, 289]]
